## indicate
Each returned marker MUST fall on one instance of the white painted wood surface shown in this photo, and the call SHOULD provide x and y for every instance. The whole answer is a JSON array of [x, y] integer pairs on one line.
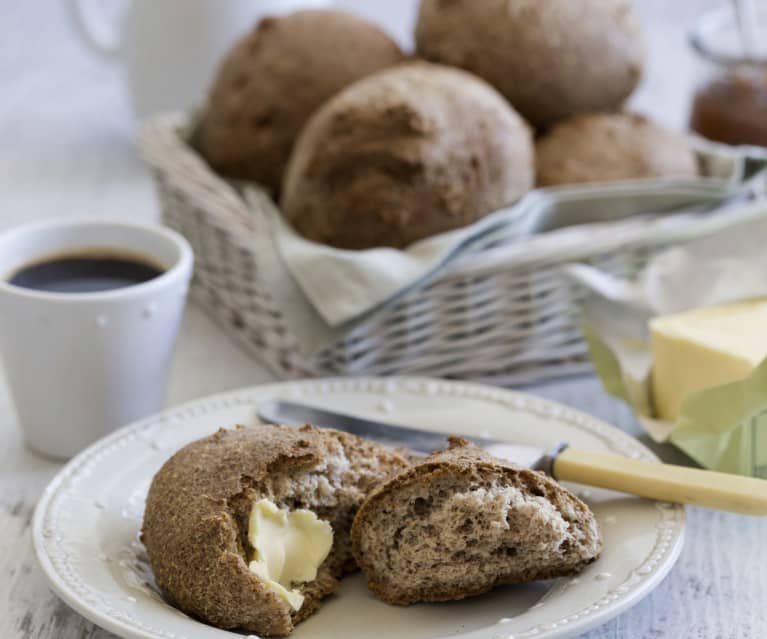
[[66, 149]]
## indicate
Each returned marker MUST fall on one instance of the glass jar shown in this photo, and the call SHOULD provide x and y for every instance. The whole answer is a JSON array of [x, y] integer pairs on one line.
[[730, 103]]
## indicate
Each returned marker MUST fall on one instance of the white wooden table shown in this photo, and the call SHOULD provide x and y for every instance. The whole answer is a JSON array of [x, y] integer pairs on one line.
[[66, 149]]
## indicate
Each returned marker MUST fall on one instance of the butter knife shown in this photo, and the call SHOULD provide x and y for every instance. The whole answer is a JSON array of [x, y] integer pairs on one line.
[[666, 482]]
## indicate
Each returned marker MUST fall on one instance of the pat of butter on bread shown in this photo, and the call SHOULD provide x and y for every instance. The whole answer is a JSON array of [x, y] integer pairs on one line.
[[704, 348], [289, 547]]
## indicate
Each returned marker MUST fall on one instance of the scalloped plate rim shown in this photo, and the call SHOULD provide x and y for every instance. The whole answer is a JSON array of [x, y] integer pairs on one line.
[[567, 629]]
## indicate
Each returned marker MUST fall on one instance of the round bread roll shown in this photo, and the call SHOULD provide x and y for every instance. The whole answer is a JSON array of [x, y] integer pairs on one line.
[[606, 147], [196, 520], [550, 58], [404, 154], [275, 78]]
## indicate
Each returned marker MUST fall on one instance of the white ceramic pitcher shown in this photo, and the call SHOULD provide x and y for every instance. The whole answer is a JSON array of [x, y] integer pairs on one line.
[[171, 48]]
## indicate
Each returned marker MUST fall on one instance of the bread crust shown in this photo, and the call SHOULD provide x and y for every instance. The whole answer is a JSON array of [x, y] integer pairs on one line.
[[549, 58], [195, 521], [404, 154], [275, 78], [606, 147], [463, 460]]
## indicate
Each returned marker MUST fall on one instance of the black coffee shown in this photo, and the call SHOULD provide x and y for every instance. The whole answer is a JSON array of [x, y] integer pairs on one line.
[[86, 273]]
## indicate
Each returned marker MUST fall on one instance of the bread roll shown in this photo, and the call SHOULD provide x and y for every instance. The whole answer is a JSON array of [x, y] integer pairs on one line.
[[605, 147], [461, 522], [275, 78], [550, 58], [196, 520], [404, 154]]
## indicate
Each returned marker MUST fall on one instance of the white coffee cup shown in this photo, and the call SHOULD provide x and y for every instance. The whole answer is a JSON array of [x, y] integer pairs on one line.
[[82, 364], [171, 48]]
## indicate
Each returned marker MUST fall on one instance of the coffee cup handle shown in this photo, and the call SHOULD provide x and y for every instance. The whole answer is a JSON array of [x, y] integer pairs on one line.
[[93, 25]]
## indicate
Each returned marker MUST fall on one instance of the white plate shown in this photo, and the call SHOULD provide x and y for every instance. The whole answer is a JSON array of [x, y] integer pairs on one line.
[[87, 522]]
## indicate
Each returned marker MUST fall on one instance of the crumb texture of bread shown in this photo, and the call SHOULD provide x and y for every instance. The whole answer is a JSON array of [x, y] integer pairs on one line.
[[404, 154], [462, 522], [196, 517], [607, 147], [549, 58], [275, 78]]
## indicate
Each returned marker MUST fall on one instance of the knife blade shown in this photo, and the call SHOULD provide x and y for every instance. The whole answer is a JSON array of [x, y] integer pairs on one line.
[[680, 484], [393, 435]]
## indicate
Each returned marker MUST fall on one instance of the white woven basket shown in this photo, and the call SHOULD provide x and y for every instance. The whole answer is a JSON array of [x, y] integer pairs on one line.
[[506, 316]]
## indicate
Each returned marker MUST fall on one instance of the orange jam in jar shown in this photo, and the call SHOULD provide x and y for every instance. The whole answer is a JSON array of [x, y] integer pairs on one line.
[[730, 103]]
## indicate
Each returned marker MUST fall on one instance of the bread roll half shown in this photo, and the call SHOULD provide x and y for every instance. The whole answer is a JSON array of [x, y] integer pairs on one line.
[[196, 520], [461, 522]]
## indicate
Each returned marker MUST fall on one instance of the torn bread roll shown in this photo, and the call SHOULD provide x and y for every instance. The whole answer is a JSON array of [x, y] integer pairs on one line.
[[462, 522], [227, 515]]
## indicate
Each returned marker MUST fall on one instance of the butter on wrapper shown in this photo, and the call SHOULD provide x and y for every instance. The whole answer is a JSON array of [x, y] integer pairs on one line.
[[700, 381], [704, 348], [289, 547]]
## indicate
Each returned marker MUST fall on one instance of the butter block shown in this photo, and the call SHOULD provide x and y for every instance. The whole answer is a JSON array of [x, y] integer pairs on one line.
[[704, 348], [289, 547]]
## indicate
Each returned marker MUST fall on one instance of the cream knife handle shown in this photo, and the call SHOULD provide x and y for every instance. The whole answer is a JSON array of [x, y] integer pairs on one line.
[[721, 491]]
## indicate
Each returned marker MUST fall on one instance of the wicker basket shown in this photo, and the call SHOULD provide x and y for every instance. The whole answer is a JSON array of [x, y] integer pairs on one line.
[[505, 316]]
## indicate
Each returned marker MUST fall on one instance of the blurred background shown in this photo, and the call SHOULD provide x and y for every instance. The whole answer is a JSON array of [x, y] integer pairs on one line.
[[68, 128], [67, 125]]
